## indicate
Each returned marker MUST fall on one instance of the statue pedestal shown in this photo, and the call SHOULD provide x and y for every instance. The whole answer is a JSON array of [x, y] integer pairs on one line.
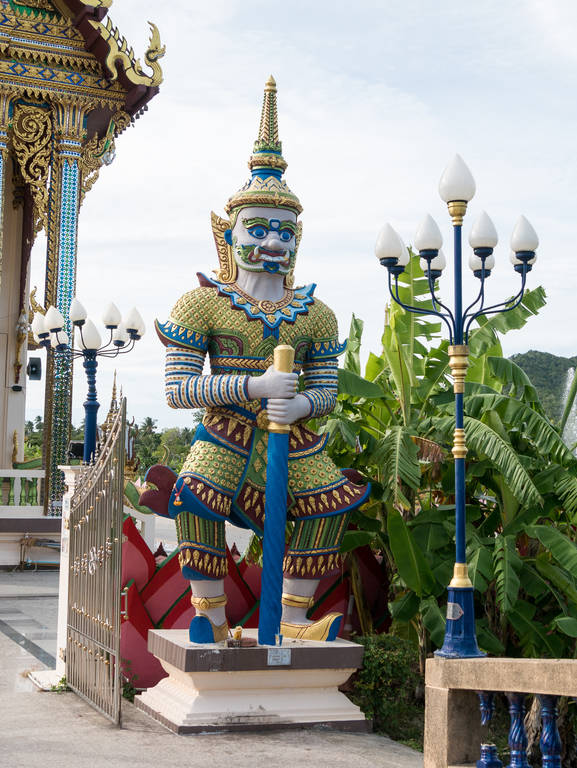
[[211, 688]]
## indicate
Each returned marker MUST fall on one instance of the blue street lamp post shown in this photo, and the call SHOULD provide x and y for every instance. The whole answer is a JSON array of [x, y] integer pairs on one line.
[[49, 332], [457, 188]]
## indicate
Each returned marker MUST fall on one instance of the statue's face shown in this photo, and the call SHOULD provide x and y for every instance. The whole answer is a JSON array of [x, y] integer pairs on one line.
[[264, 240]]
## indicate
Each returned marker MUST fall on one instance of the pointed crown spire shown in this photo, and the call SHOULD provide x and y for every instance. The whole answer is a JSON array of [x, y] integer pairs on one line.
[[266, 186]]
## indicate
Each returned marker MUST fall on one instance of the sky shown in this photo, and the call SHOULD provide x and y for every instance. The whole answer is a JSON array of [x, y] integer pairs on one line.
[[374, 99]]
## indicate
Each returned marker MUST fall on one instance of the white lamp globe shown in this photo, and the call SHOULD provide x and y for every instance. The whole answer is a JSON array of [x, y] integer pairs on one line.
[[524, 237], [77, 313], [428, 236], [90, 338], [515, 261], [120, 335], [483, 233], [133, 320], [437, 264], [388, 245], [457, 182], [37, 324], [59, 339], [53, 320], [476, 262], [111, 317], [404, 256]]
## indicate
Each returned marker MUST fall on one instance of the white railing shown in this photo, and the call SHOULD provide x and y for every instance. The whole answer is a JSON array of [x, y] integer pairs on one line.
[[21, 492]]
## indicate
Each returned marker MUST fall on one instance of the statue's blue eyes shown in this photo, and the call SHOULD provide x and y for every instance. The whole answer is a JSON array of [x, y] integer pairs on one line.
[[261, 232], [258, 232]]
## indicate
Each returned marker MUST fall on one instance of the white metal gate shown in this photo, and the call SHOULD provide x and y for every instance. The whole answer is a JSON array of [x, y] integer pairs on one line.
[[93, 637]]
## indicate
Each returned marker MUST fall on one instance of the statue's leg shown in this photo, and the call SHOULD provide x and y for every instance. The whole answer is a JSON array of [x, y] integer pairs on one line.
[[313, 552], [203, 563], [297, 598]]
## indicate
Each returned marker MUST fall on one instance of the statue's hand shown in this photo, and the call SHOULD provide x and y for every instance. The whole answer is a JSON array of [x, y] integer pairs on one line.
[[285, 411], [274, 384]]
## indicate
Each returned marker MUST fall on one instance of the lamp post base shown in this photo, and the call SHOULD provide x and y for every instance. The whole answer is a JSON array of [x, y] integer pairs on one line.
[[460, 637]]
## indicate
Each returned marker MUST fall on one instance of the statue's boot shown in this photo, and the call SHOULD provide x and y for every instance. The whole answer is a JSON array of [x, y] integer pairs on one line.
[[325, 629], [202, 630], [295, 608]]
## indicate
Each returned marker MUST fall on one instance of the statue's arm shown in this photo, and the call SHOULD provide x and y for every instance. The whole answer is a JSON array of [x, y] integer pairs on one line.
[[186, 387], [320, 380], [321, 364]]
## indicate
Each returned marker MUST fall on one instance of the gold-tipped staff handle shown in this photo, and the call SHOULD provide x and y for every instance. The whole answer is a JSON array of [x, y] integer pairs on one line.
[[284, 359]]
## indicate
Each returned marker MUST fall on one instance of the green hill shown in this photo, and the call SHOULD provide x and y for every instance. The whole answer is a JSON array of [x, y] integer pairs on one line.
[[548, 373]]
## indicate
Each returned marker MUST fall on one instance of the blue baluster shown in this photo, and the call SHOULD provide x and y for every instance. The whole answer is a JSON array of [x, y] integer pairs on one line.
[[517, 735], [487, 706], [489, 757], [550, 740]]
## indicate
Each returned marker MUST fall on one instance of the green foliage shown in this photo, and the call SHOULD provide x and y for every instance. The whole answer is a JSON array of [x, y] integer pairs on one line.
[[34, 437], [60, 687], [386, 687], [168, 446]]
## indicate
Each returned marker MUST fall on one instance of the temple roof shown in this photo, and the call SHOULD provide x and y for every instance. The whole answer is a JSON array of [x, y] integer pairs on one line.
[[71, 47]]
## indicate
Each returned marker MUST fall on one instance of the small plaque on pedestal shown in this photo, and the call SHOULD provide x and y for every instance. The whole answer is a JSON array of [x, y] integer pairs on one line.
[[215, 688]]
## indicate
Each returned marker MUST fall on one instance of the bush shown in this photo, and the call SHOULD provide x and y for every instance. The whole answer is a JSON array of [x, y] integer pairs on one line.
[[387, 686]]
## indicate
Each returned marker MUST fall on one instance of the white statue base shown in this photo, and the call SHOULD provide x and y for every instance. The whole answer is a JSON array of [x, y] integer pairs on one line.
[[212, 688]]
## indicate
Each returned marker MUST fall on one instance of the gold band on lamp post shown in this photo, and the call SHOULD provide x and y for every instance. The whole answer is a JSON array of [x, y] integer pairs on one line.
[[459, 445], [458, 363], [461, 576], [284, 358], [457, 211]]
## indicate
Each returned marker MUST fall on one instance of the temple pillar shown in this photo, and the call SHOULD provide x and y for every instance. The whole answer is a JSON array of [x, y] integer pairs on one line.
[[60, 287]]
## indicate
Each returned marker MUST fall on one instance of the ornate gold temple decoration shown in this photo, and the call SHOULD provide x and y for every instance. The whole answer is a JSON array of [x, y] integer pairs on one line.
[[65, 10], [21, 336], [98, 152], [459, 445], [120, 53], [457, 211], [461, 576], [458, 362], [31, 139], [226, 272], [44, 4], [15, 447], [33, 308]]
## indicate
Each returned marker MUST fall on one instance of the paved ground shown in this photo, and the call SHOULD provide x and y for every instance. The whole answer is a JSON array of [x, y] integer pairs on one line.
[[38, 728]]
